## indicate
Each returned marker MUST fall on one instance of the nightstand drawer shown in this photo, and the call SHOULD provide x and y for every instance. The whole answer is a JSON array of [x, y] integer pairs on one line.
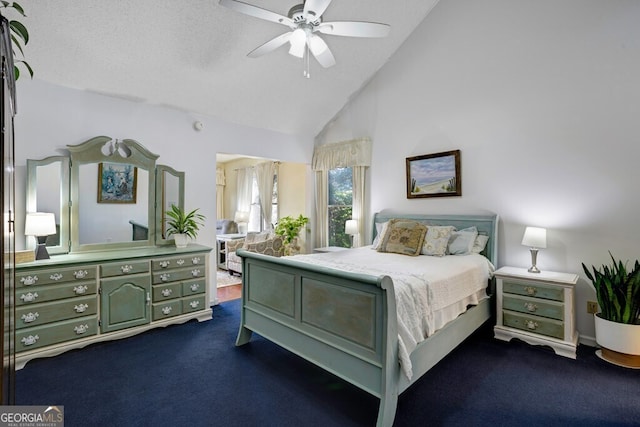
[[539, 307], [532, 289], [534, 324]]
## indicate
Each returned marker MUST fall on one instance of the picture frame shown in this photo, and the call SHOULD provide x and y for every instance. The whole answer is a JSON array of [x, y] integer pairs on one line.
[[434, 175], [117, 183]]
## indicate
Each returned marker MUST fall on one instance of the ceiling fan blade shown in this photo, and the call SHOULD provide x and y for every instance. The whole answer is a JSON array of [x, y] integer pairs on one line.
[[313, 9], [271, 45], [354, 29], [321, 51], [258, 12]]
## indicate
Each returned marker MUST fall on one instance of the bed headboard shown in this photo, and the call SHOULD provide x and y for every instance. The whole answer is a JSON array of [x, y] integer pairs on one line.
[[486, 224]]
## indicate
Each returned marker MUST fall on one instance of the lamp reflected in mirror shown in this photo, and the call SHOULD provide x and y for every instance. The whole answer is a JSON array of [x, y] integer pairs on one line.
[[40, 225]]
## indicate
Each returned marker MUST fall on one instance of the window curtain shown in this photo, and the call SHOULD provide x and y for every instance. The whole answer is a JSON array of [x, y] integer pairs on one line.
[[243, 196], [356, 154], [221, 181], [264, 178]]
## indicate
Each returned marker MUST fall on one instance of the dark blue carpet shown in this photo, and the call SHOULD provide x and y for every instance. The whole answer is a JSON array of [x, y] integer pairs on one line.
[[193, 375]]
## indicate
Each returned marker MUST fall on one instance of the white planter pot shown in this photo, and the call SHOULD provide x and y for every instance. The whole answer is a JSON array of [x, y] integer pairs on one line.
[[181, 240], [619, 338]]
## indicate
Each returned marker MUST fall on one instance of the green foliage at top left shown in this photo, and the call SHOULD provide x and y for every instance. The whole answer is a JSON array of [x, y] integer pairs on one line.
[[19, 37]]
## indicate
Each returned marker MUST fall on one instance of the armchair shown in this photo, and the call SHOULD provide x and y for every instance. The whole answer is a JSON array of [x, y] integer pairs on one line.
[[265, 244]]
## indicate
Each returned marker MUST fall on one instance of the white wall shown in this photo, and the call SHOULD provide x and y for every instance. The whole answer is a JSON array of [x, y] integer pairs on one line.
[[51, 117], [542, 98]]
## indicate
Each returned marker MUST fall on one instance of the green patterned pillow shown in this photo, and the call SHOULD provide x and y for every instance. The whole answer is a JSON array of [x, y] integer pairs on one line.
[[437, 240], [403, 236]]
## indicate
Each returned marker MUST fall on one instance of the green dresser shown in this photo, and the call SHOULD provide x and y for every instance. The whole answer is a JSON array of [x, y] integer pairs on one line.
[[537, 308], [72, 300]]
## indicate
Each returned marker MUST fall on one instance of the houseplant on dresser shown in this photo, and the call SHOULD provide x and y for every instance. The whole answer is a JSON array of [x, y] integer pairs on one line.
[[289, 228], [618, 323], [183, 225]]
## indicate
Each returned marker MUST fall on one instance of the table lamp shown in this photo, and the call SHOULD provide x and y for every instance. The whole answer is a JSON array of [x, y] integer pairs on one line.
[[242, 219], [40, 225], [535, 238], [351, 228]]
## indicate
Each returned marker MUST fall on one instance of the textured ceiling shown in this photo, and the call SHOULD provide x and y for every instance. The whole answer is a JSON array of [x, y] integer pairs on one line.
[[192, 55]]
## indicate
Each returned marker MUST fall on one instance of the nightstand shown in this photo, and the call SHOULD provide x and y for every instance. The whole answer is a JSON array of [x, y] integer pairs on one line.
[[538, 308]]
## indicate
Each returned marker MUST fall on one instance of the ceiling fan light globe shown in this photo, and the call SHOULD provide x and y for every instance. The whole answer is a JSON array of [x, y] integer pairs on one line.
[[317, 45]]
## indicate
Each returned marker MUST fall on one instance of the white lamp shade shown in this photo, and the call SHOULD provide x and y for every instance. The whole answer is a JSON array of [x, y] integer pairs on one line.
[[535, 237], [351, 226], [241, 216], [40, 224]]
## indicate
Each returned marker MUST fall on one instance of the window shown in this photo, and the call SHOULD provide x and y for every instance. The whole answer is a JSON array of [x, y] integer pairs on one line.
[[256, 219], [340, 205]]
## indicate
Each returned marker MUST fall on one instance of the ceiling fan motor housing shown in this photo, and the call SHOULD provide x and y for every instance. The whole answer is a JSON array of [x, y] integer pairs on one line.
[[296, 15]]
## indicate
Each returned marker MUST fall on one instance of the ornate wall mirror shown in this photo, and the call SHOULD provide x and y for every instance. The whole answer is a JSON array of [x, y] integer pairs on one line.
[[48, 191], [169, 191]]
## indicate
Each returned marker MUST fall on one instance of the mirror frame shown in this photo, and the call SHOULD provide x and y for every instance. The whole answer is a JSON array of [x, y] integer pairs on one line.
[[32, 199], [160, 212], [91, 151]]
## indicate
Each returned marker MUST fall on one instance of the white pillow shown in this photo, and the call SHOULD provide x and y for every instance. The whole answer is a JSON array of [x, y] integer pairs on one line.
[[479, 244], [462, 241], [381, 228], [437, 239]]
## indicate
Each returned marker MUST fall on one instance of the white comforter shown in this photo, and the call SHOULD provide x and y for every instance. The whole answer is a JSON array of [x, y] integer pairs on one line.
[[429, 290]]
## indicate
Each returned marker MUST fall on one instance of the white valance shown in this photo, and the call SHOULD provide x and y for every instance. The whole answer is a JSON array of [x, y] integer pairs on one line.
[[220, 178], [356, 152]]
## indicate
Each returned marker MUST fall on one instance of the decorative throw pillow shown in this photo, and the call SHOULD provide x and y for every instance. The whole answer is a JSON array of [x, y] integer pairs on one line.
[[479, 244], [381, 228], [462, 241], [403, 237], [436, 240], [255, 238]]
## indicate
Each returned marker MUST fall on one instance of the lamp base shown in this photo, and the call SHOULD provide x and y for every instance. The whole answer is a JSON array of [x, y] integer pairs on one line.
[[533, 269], [41, 251], [534, 256]]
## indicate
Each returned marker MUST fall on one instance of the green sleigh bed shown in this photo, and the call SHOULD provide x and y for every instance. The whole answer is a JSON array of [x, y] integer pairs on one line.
[[346, 323]]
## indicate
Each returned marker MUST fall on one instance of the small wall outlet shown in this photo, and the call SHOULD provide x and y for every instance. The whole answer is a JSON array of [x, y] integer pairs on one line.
[[592, 307]]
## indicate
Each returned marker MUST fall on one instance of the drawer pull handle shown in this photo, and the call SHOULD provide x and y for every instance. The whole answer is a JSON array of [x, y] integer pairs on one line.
[[166, 292], [126, 269], [164, 264], [30, 340], [30, 317], [530, 290], [81, 289], [165, 277], [195, 273], [194, 304], [29, 280], [195, 260], [55, 277], [81, 329], [166, 310], [81, 308], [529, 306], [29, 297], [530, 324], [194, 287], [80, 274], [180, 261]]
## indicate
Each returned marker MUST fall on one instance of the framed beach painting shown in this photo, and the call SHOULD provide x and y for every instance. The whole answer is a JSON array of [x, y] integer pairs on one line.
[[117, 183], [434, 175]]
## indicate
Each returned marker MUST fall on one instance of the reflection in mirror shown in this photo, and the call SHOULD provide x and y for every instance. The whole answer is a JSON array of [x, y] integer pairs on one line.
[[113, 203], [169, 191], [48, 191]]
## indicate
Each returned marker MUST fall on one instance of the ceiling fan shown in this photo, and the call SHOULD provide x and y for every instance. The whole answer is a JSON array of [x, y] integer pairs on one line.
[[304, 21]]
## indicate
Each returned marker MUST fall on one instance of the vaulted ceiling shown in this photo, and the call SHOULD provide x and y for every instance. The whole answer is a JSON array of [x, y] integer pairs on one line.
[[192, 55]]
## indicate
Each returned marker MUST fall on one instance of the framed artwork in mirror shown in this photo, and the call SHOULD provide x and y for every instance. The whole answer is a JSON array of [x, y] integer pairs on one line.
[[434, 175], [117, 183]]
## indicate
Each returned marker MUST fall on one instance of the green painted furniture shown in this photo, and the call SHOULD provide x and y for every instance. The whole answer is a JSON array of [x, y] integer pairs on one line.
[[72, 300], [346, 323]]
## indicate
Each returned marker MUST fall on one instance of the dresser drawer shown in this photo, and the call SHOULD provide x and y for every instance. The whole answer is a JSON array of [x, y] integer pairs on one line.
[[532, 289], [54, 333], [193, 287], [539, 325], [124, 268], [177, 262], [57, 275], [28, 296], [193, 304], [537, 306], [167, 309], [39, 314], [182, 274], [167, 292]]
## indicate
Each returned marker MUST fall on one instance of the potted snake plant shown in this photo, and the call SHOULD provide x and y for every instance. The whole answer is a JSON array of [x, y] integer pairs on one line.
[[618, 323], [183, 225]]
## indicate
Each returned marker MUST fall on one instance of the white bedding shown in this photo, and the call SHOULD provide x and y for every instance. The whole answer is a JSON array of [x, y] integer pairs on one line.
[[430, 291]]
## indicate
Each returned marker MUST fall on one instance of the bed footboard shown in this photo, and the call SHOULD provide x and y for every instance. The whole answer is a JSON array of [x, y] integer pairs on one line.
[[343, 322]]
